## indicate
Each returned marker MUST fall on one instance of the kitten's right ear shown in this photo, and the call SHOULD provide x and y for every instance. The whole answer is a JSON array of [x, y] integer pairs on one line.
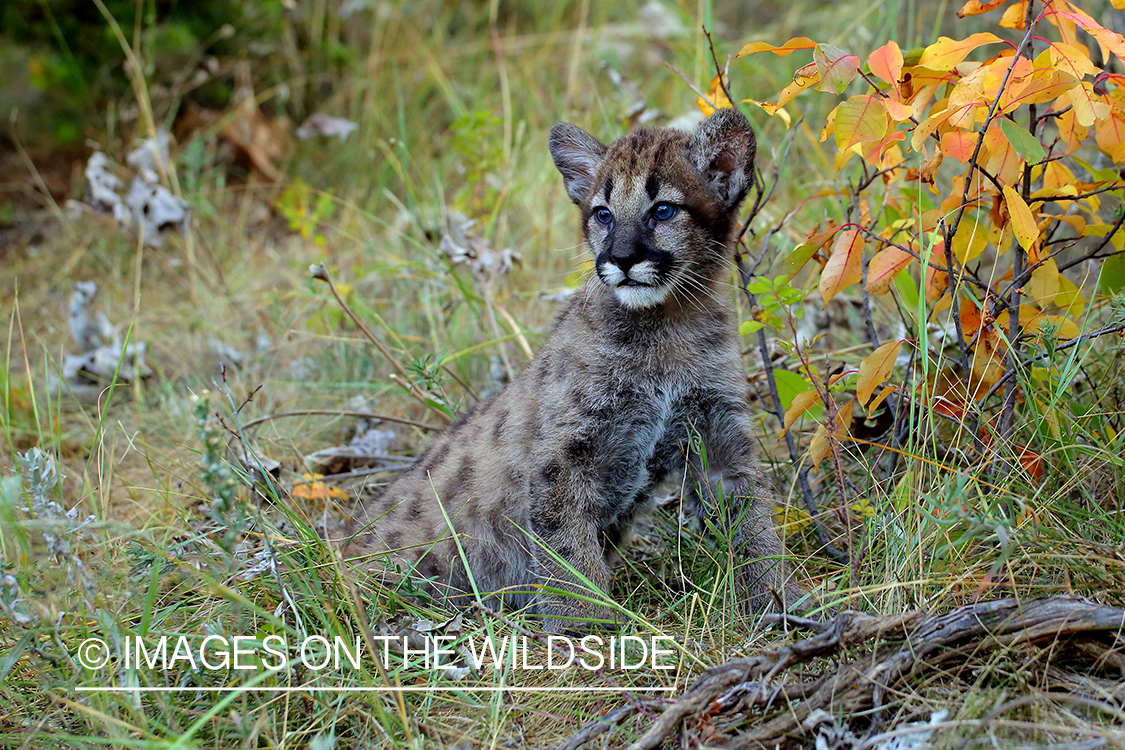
[[577, 155]]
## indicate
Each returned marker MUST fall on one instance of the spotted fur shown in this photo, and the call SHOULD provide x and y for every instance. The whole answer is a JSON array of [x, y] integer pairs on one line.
[[559, 463]]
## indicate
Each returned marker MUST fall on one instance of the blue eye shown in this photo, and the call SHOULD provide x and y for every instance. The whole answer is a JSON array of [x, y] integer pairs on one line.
[[664, 211], [603, 216]]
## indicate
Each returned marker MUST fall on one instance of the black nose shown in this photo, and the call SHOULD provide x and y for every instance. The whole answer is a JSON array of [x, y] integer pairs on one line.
[[627, 255]]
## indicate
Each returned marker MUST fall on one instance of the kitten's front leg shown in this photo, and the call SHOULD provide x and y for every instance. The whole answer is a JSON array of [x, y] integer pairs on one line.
[[564, 521], [745, 512]]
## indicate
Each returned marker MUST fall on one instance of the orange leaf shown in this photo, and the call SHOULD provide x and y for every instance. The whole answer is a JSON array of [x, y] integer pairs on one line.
[[988, 358], [883, 268], [970, 317], [1014, 16], [860, 119], [844, 265], [1023, 221], [794, 44], [975, 7], [945, 53], [1031, 461], [1071, 133], [959, 145], [716, 96], [875, 369], [1110, 134], [937, 283], [1003, 162], [886, 62], [801, 404]]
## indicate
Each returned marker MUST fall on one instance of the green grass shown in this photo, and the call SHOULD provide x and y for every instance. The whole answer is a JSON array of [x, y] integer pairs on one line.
[[449, 122]]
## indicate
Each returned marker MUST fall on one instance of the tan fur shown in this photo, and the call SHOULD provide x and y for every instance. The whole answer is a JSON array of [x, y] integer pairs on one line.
[[558, 464]]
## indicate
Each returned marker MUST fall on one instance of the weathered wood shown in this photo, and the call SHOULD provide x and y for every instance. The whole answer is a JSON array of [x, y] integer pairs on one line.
[[902, 647]]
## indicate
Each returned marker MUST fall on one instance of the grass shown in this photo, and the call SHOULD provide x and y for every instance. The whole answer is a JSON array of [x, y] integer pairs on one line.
[[172, 535]]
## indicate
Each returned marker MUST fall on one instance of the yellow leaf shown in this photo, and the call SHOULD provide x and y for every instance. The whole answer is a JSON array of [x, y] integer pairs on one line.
[[860, 119], [1108, 40], [927, 126], [945, 53], [794, 44], [875, 369], [844, 265], [844, 419], [878, 400], [1073, 60], [1069, 297], [1014, 16], [970, 240], [716, 96], [1022, 220], [1043, 286], [773, 111], [975, 7], [883, 268], [801, 404]]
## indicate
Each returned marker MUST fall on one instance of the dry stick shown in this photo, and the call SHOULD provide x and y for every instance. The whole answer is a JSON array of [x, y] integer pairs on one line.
[[340, 413], [1095, 254], [1061, 348], [1007, 417], [951, 231], [597, 726], [320, 272], [744, 275], [777, 411], [924, 643]]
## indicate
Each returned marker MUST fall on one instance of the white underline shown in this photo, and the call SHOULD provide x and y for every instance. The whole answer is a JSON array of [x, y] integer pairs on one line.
[[355, 689]]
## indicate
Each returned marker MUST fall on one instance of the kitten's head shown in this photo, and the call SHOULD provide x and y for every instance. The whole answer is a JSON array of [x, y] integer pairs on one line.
[[658, 206]]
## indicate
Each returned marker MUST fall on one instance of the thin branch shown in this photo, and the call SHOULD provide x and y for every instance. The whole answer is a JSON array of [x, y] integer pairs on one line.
[[340, 413]]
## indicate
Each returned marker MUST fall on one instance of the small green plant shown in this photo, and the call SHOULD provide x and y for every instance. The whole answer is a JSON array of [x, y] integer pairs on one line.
[[306, 209], [222, 485]]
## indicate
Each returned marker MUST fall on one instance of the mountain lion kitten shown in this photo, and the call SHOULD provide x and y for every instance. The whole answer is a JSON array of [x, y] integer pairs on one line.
[[554, 468]]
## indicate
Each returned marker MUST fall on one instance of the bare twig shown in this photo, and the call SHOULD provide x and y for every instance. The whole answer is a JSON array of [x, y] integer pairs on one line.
[[902, 648], [340, 413]]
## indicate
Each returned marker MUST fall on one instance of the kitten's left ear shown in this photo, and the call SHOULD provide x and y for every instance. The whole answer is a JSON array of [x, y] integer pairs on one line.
[[722, 151]]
